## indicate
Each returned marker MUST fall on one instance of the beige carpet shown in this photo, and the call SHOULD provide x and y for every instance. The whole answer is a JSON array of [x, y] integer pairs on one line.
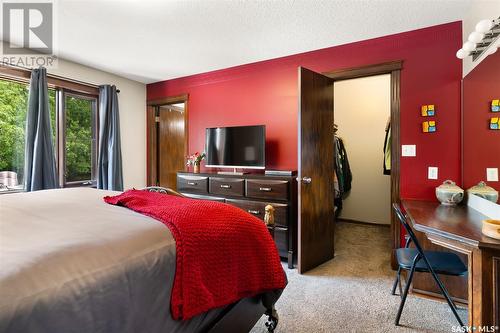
[[351, 293]]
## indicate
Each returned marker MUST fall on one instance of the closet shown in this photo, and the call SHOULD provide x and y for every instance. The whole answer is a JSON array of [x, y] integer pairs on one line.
[[316, 221], [362, 154]]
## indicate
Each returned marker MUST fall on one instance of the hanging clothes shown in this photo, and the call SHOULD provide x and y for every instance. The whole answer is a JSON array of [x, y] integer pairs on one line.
[[387, 148], [337, 200], [342, 168], [342, 175]]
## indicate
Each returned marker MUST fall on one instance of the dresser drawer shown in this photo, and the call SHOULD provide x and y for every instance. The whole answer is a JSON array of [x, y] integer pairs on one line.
[[257, 209], [267, 189], [227, 186], [203, 197], [281, 241], [192, 184]]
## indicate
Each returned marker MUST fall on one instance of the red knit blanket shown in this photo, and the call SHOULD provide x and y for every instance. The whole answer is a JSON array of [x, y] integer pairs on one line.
[[223, 253]]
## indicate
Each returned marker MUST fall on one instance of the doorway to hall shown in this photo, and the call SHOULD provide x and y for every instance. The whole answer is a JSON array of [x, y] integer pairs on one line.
[[168, 140]]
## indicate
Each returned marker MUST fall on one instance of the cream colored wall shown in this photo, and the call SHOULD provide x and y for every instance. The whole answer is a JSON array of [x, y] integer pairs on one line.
[[480, 10], [132, 101], [362, 108]]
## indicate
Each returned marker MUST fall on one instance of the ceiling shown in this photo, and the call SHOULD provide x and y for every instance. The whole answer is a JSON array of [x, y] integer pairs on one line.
[[148, 40]]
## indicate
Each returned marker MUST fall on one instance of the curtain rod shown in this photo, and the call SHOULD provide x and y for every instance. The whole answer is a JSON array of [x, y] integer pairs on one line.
[[54, 76]]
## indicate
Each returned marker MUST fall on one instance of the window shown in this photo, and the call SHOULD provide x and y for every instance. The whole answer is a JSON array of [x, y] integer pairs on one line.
[[74, 128], [13, 104], [78, 139]]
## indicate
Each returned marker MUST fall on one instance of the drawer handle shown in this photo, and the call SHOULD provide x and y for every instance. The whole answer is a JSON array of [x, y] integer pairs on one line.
[[225, 186], [265, 189], [254, 212], [192, 183]]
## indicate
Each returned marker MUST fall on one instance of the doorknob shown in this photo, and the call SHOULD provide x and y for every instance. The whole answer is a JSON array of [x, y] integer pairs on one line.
[[306, 180]]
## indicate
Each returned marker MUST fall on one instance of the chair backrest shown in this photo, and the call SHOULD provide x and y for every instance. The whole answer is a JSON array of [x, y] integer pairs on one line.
[[406, 225]]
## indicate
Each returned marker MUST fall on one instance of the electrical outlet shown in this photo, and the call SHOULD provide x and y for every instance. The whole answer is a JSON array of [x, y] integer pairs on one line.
[[433, 173], [491, 174], [409, 150]]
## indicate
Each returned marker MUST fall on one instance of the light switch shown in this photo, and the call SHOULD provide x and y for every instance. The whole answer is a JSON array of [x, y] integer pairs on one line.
[[433, 173], [409, 150], [491, 174]]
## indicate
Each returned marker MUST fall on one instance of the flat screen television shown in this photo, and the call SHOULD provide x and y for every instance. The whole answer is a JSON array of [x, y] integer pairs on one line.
[[236, 147]]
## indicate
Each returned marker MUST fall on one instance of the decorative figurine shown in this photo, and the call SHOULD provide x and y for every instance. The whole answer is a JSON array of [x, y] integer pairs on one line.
[[269, 216], [449, 193], [484, 191]]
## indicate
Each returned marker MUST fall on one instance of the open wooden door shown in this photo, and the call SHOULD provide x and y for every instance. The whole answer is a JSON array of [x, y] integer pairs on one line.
[[172, 143], [167, 144], [316, 170]]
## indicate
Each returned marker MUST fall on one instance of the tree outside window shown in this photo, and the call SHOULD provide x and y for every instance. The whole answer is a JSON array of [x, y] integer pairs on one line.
[[74, 128]]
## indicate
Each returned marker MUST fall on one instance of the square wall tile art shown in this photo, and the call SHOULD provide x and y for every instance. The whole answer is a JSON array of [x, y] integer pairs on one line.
[[495, 123], [429, 126], [428, 110], [495, 105]]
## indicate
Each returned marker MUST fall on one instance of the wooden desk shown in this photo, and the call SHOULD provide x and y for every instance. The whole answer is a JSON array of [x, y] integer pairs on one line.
[[459, 229]]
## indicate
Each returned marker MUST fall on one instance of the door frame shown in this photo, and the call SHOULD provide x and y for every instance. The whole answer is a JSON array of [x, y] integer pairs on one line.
[[152, 133], [394, 69]]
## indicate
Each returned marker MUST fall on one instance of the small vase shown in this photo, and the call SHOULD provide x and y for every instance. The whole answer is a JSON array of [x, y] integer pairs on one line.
[[196, 168]]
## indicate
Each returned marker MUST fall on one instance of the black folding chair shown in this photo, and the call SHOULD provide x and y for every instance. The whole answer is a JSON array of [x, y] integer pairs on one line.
[[418, 260]]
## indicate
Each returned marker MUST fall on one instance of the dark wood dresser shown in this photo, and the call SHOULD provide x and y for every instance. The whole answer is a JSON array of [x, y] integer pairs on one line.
[[251, 192]]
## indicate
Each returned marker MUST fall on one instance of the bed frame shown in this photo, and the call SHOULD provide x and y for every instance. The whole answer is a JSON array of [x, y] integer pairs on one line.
[[244, 314]]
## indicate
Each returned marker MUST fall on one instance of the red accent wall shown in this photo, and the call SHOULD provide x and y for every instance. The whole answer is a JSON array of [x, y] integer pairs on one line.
[[481, 145], [266, 93]]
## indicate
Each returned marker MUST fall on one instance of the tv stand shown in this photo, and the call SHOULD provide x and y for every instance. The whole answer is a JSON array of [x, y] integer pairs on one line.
[[251, 192], [234, 172]]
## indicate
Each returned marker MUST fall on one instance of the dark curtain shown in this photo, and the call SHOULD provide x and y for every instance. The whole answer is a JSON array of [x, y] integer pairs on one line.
[[39, 159], [109, 163]]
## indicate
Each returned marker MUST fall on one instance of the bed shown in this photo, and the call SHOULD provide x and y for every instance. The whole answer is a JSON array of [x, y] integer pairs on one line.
[[72, 263]]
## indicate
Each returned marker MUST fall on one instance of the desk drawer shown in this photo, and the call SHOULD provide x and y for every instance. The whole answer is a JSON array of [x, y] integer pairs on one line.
[[257, 208], [192, 184], [267, 189], [227, 186]]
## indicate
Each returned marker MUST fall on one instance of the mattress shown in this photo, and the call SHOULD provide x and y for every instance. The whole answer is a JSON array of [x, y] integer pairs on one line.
[[71, 263]]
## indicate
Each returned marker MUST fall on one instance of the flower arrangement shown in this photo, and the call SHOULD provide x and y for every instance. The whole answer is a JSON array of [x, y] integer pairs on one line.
[[195, 160]]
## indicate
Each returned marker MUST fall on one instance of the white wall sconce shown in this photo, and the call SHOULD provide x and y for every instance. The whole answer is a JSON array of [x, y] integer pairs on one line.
[[484, 40]]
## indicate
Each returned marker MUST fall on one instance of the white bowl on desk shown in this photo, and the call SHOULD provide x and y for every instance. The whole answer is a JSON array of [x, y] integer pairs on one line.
[[491, 228]]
